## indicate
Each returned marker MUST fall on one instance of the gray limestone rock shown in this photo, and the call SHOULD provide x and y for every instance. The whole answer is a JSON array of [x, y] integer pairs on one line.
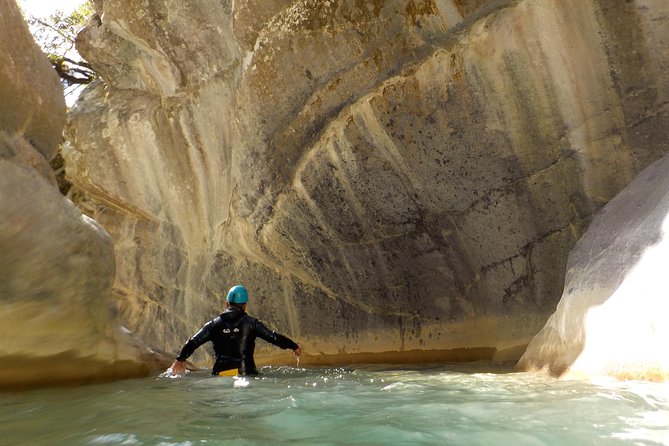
[[32, 99], [611, 319], [400, 176], [57, 320]]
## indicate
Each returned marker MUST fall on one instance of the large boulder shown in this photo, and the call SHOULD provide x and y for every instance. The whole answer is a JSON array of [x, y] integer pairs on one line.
[[57, 320], [32, 99], [391, 180], [612, 317]]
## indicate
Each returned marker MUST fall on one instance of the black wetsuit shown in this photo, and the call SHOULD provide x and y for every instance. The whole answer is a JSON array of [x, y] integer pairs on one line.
[[234, 334]]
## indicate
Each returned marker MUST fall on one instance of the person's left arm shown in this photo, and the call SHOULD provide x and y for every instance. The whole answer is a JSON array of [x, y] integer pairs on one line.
[[275, 338]]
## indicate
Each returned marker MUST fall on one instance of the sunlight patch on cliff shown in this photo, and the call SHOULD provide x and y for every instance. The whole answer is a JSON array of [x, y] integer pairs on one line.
[[631, 324]]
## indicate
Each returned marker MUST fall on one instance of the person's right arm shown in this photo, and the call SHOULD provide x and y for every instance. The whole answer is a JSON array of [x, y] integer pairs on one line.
[[199, 338]]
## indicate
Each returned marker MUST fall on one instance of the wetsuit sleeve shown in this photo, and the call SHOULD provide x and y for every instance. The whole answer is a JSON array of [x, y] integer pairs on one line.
[[197, 340], [273, 337]]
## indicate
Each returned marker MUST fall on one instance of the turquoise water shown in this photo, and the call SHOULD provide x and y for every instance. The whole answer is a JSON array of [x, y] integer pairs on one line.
[[341, 406]]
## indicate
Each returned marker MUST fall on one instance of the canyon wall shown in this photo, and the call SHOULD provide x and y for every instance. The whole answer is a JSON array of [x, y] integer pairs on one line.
[[612, 317], [392, 180], [57, 321]]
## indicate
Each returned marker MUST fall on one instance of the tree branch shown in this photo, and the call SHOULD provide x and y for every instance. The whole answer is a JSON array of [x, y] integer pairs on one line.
[[53, 28]]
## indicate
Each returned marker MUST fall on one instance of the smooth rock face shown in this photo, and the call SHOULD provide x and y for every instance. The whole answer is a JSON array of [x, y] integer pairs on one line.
[[57, 322], [32, 99], [611, 319], [32, 114], [398, 176]]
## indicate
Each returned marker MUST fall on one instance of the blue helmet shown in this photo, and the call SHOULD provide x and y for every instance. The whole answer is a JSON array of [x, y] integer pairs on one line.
[[238, 295]]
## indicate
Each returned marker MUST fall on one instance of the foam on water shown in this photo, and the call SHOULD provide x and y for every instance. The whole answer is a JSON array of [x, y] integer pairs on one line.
[[366, 406]]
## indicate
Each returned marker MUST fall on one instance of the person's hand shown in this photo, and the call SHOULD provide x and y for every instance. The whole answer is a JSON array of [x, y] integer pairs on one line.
[[178, 367], [297, 351]]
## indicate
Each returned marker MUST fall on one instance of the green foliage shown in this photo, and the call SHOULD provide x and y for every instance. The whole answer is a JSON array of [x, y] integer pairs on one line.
[[56, 35]]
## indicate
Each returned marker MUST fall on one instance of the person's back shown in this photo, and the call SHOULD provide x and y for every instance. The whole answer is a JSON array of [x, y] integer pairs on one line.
[[233, 334]]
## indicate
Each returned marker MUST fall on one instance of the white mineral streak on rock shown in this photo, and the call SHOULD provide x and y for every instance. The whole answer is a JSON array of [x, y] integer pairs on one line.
[[151, 65]]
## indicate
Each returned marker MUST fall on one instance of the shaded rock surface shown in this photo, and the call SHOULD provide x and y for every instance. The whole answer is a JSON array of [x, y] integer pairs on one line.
[[611, 319], [57, 322], [400, 176], [32, 115]]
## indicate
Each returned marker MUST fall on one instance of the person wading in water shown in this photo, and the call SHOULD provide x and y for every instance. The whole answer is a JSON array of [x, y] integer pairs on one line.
[[234, 336]]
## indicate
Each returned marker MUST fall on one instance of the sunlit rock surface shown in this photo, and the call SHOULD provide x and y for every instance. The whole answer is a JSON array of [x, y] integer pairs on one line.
[[57, 322], [612, 317], [32, 107], [391, 180]]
